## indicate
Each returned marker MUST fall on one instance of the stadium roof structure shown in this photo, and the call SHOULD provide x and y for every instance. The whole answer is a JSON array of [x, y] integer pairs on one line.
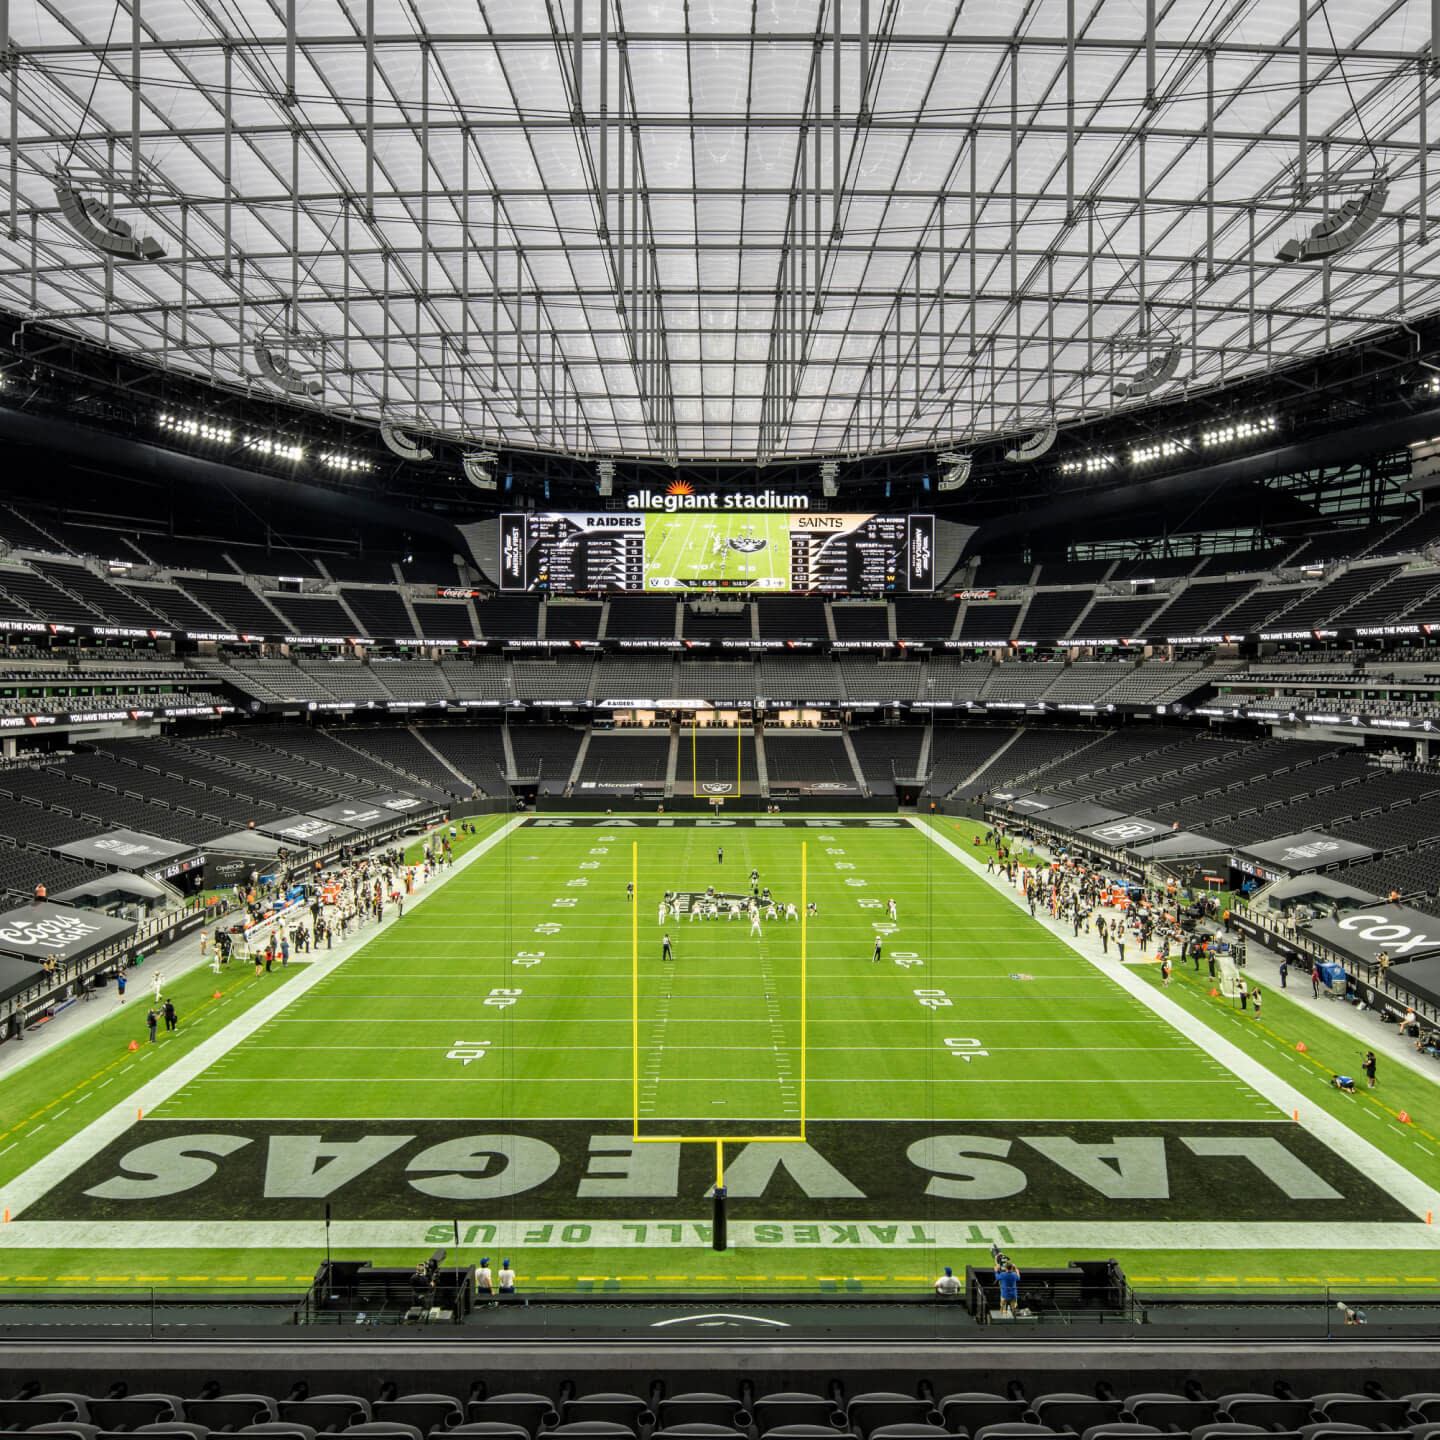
[[731, 229]]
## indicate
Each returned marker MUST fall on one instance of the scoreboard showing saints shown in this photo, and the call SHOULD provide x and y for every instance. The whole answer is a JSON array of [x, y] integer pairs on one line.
[[767, 552]]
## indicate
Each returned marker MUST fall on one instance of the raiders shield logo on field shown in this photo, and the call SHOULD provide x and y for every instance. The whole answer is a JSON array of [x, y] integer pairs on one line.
[[747, 544]]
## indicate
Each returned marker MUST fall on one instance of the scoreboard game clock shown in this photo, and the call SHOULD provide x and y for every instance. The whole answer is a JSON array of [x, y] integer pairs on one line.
[[757, 552]]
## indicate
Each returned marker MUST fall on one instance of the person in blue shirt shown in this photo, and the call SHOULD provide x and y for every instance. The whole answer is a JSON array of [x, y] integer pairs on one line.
[[1009, 1278]]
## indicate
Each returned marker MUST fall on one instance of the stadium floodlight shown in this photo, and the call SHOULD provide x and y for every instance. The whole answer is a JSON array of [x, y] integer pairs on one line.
[[194, 429], [1237, 431], [829, 478], [275, 449], [1344, 229], [956, 471], [477, 468], [1151, 376], [1036, 446], [99, 226], [349, 464], [1160, 450], [275, 368], [397, 442], [1088, 465], [605, 473]]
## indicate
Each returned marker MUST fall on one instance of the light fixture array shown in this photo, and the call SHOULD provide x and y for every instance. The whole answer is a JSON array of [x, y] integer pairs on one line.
[[1159, 450], [194, 429], [1239, 430], [1089, 465], [274, 449], [347, 464]]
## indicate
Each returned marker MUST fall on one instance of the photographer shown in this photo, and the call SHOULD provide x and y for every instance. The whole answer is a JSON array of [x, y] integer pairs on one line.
[[1007, 1277]]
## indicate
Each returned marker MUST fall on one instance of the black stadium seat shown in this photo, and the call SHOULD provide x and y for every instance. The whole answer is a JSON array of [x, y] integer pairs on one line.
[[490, 1430], [613, 1405], [130, 1412], [1075, 1411], [326, 1412], [907, 1430], [971, 1410], [702, 1407], [382, 1430], [698, 1430], [1339, 1430], [280, 1430], [795, 1407], [802, 1432], [867, 1412], [1170, 1412], [532, 1413], [1222, 1430], [1270, 1412], [1423, 1405], [1372, 1412], [66, 1430], [43, 1410], [230, 1412], [1120, 1430], [173, 1429], [1012, 1431], [590, 1430], [426, 1412]]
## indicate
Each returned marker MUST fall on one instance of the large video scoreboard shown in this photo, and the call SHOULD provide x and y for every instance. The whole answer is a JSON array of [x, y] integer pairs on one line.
[[767, 552]]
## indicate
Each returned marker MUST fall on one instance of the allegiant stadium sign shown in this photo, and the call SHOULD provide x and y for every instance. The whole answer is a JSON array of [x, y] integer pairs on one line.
[[671, 501]]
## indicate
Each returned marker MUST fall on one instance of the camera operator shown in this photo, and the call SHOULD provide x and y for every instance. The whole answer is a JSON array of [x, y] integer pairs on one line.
[[1008, 1279]]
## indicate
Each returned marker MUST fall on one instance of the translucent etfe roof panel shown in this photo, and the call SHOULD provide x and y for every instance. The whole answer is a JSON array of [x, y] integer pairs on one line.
[[729, 229]]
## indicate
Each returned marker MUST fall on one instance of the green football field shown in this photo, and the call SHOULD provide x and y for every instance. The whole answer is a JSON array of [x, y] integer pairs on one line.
[[749, 549], [503, 1061]]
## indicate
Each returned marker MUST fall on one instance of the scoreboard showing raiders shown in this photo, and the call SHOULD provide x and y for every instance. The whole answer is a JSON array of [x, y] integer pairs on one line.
[[768, 552]]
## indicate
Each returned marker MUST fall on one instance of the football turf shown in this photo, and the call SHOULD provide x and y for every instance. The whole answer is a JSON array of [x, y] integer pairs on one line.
[[681, 548], [488, 1060]]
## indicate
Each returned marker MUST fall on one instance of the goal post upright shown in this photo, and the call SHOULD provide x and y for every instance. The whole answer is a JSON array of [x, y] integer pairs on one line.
[[635, 982]]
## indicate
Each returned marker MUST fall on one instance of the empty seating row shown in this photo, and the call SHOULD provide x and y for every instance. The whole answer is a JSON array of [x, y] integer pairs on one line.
[[709, 1415]]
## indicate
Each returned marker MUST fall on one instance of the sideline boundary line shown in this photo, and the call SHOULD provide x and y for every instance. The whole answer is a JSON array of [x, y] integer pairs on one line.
[[49, 1170], [1407, 1188]]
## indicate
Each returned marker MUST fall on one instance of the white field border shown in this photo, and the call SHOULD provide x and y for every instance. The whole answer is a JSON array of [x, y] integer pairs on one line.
[[71, 1154], [1412, 1192], [834, 1237]]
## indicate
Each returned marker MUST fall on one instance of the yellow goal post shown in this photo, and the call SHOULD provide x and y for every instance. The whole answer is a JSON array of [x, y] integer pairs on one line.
[[695, 791]]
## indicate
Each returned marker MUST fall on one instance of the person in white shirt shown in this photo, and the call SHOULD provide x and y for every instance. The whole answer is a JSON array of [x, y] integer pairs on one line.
[[660, 918], [947, 1284], [506, 1278], [791, 913], [755, 920], [695, 908], [484, 1285], [891, 911]]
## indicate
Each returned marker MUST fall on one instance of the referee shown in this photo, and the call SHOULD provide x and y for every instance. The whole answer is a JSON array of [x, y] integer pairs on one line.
[[665, 952], [875, 958]]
